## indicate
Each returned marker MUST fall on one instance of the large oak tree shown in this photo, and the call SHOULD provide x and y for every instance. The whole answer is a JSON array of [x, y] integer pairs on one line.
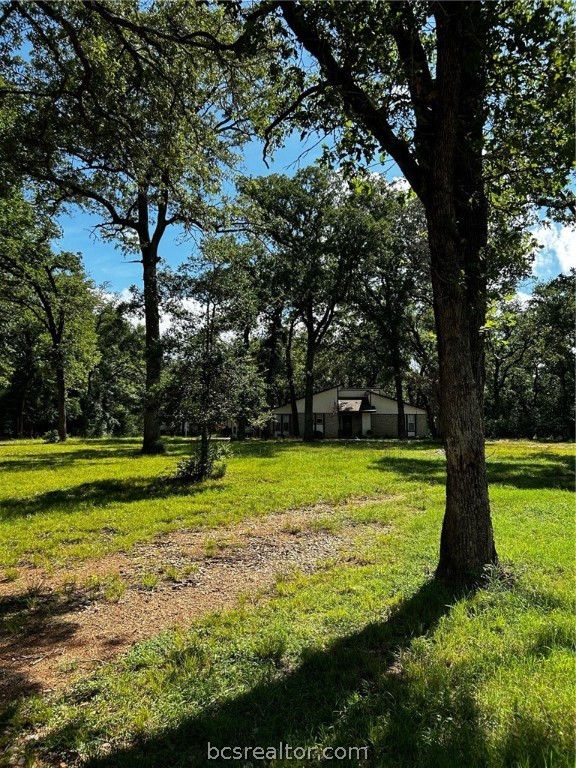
[[131, 127], [471, 100]]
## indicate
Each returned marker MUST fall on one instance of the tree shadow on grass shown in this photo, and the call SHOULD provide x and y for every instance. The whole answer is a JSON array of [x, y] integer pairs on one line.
[[556, 472], [66, 454], [261, 449], [30, 630], [354, 693], [56, 460], [528, 474], [98, 493]]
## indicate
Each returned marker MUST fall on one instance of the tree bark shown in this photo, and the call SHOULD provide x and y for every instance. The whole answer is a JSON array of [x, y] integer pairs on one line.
[[291, 387], [431, 421], [61, 395], [274, 358], [456, 212], [308, 436], [397, 369], [152, 442], [467, 542], [400, 401], [204, 451], [20, 415]]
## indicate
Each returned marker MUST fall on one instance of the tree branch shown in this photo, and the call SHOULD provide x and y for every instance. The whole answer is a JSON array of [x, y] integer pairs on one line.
[[71, 186], [286, 112], [415, 62], [354, 98], [50, 10]]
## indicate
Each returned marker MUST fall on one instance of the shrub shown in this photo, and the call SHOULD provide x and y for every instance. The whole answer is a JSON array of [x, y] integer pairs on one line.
[[195, 468], [51, 436]]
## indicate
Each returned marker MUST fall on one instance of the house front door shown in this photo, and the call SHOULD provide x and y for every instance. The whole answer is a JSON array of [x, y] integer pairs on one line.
[[346, 425]]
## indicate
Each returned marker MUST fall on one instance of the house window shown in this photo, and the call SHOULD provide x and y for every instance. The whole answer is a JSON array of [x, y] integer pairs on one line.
[[285, 424], [411, 424]]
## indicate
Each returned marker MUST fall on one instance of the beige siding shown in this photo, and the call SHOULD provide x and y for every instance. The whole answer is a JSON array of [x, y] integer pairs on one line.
[[384, 404], [388, 405], [323, 401], [413, 409], [353, 394], [366, 423]]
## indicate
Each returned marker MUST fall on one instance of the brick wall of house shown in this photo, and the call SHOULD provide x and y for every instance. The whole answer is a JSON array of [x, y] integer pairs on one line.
[[330, 426], [422, 429], [384, 425]]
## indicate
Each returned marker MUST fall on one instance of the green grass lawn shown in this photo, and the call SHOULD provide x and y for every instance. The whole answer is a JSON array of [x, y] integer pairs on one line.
[[370, 652]]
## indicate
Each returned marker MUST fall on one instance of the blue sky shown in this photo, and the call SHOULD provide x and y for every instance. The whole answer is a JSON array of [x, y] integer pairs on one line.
[[108, 265]]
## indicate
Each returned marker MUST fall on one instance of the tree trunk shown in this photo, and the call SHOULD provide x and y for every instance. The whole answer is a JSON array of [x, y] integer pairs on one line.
[[467, 541], [274, 358], [291, 387], [242, 420], [294, 409], [61, 394], [399, 399], [20, 396], [457, 216], [566, 408], [204, 451], [20, 415], [431, 421], [494, 412], [309, 393], [153, 352], [401, 415]]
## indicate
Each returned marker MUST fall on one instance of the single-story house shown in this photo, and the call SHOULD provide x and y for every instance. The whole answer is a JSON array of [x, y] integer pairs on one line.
[[352, 412]]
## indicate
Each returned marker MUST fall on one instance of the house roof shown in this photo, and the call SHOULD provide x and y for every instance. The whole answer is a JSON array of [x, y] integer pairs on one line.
[[359, 405]]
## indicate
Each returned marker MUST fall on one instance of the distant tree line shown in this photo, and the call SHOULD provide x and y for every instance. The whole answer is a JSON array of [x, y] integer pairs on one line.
[[325, 281]]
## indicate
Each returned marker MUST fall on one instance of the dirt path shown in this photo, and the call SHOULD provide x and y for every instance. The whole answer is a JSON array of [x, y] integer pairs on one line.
[[58, 626]]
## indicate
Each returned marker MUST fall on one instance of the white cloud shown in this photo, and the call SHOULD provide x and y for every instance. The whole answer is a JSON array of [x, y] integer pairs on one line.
[[558, 242], [192, 306], [400, 184], [115, 297], [523, 297]]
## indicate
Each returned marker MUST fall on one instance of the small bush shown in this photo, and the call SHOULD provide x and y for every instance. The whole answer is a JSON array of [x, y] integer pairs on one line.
[[51, 436], [195, 468]]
